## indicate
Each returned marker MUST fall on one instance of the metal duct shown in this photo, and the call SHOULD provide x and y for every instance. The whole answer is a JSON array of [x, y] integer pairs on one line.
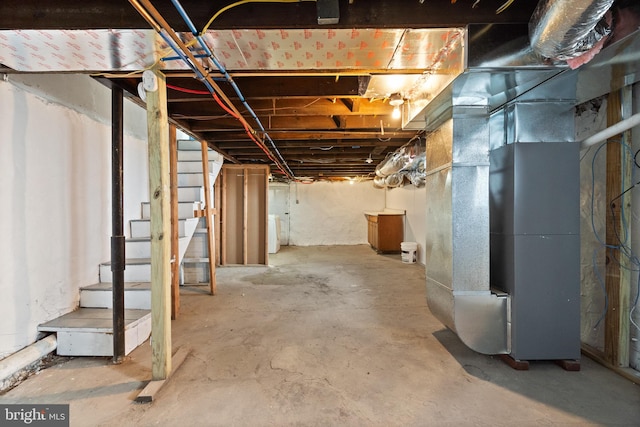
[[407, 161], [565, 29], [460, 136], [458, 245]]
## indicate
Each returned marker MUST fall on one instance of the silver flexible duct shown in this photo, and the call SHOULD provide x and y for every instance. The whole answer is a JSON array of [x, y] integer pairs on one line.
[[407, 161], [565, 29]]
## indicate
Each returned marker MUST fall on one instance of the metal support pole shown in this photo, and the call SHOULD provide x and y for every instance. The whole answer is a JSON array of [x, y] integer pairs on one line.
[[117, 220]]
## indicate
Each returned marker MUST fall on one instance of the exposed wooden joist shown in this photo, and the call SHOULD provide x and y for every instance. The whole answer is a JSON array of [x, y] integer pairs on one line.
[[307, 152], [305, 134], [304, 122], [265, 87], [313, 137], [354, 105], [309, 124], [332, 166], [298, 87], [203, 109], [70, 14], [284, 146], [328, 173]]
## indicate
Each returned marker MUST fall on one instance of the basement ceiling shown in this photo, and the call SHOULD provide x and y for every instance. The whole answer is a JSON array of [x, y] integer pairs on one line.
[[317, 96]]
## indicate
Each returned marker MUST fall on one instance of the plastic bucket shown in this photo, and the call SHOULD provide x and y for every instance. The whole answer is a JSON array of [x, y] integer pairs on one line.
[[409, 251]]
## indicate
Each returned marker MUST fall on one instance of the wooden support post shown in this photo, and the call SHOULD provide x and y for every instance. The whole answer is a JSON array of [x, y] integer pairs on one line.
[[209, 218], [118, 257], [158, 134], [245, 216], [175, 242], [266, 216], [218, 227], [617, 280], [224, 174]]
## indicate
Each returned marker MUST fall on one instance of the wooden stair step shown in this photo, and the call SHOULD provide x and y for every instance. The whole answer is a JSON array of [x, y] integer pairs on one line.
[[136, 270], [137, 295]]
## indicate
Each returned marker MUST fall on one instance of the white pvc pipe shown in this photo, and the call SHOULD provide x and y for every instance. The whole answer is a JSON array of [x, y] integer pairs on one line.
[[611, 131], [25, 357]]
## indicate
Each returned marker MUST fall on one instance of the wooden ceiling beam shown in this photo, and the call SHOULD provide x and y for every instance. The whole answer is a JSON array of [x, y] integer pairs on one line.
[[309, 152], [304, 89], [293, 123], [97, 14], [203, 109], [286, 146], [308, 135]]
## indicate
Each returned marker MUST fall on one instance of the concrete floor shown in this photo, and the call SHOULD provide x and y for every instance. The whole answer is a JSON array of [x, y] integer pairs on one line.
[[328, 336]]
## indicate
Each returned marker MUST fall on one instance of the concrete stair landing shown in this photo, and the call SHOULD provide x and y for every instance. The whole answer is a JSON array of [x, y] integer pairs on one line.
[[89, 331]]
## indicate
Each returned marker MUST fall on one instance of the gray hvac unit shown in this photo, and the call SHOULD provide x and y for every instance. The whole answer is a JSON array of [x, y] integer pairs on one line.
[[503, 240], [535, 246]]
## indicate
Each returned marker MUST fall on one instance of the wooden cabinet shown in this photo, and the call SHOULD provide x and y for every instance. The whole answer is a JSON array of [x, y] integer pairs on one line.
[[385, 231]]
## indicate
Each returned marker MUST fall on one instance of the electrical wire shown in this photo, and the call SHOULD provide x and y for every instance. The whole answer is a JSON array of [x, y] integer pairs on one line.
[[504, 7], [186, 90], [239, 3], [204, 92], [155, 19], [635, 303], [622, 246], [281, 163]]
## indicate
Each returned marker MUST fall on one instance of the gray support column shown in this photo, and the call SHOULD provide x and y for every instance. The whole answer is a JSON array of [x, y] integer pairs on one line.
[[117, 233]]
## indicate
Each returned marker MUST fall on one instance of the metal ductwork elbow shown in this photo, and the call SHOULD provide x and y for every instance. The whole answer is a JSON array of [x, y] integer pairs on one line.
[[458, 243], [567, 29]]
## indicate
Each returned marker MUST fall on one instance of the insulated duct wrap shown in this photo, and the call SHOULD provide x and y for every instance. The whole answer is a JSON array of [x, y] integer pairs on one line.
[[407, 162], [566, 29]]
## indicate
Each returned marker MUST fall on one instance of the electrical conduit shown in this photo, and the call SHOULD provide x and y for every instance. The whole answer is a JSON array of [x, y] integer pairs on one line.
[[226, 75], [153, 17]]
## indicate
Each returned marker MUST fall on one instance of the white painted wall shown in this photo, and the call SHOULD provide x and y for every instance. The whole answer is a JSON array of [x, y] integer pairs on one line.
[[413, 200], [325, 213], [331, 213], [55, 187]]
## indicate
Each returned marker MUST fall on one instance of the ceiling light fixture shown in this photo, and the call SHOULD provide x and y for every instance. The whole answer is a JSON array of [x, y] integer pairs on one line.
[[395, 114], [369, 160], [396, 100]]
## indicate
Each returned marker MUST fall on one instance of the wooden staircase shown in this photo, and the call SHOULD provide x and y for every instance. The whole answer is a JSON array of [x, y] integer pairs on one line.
[[88, 331]]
